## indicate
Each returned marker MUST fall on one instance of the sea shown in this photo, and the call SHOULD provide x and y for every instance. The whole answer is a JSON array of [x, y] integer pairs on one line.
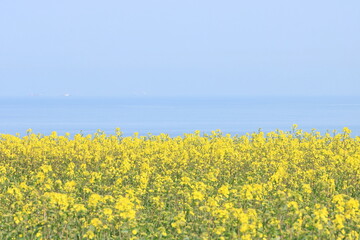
[[177, 115]]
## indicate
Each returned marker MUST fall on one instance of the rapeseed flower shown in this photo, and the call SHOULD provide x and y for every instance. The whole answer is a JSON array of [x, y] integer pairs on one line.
[[290, 185]]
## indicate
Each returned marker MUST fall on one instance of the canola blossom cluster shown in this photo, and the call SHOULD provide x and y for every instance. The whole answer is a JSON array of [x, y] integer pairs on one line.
[[276, 185]]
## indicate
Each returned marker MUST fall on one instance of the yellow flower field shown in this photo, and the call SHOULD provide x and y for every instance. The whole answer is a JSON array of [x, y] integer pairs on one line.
[[277, 185]]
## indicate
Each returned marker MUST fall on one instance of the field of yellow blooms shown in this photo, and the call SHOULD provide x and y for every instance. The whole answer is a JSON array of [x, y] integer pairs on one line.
[[277, 185]]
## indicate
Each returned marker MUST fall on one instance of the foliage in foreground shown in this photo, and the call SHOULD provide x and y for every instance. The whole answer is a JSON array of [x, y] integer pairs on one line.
[[279, 185]]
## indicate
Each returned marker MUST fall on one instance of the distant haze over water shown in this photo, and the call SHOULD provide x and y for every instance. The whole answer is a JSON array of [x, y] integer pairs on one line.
[[177, 116]]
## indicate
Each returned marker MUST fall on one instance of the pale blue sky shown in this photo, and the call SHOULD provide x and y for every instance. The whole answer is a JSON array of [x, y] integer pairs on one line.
[[181, 48]]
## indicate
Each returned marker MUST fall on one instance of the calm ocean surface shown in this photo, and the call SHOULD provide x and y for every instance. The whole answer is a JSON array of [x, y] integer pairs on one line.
[[176, 116]]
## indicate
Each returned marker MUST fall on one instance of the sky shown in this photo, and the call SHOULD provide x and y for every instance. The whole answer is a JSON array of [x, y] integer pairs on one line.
[[179, 48]]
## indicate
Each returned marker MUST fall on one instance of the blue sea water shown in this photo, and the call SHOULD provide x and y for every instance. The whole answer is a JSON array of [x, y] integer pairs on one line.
[[176, 116]]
